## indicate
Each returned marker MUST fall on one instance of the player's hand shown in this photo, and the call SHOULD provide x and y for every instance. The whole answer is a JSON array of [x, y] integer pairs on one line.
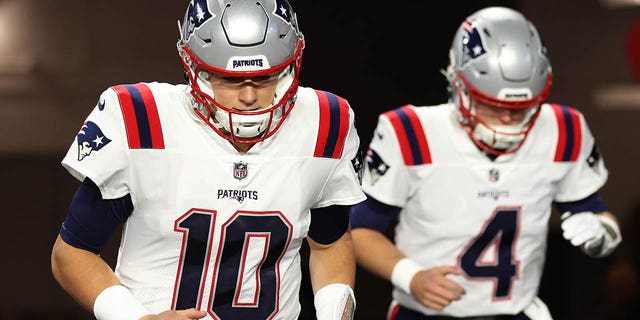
[[582, 229], [188, 314], [432, 288]]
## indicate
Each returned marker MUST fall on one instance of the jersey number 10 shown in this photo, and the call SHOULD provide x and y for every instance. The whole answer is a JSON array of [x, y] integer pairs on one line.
[[246, 274]]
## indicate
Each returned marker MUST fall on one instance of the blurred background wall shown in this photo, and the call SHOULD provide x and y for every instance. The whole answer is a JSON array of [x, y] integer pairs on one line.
[[57, 56]]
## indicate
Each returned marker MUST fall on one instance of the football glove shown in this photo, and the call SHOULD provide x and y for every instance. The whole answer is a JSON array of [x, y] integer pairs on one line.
[[596, 235]]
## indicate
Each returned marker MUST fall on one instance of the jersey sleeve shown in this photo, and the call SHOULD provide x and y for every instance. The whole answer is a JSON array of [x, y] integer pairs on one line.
[[99, 150], [385, 175], [341, 145], [588, 173]]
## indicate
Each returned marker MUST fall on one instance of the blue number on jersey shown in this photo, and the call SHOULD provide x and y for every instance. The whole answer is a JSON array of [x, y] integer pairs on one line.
[[197, 236], [503, 226]]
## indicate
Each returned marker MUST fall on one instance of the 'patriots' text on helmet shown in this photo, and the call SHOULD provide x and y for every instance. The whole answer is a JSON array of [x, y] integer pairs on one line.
[[498, 59], [245, 39]]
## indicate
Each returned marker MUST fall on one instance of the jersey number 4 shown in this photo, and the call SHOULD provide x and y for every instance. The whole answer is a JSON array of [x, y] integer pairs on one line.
[[497, 238], [245, 283]]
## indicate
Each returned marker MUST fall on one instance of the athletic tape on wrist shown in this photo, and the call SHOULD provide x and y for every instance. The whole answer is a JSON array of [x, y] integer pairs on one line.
[[403, 272], [335, 301], [117, 303]]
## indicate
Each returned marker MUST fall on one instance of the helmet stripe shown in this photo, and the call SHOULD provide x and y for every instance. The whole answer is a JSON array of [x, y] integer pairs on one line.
[[569, 133], [411, 135], [141, 118], [333, 127]]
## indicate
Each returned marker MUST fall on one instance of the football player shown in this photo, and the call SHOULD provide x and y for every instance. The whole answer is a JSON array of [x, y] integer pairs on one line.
[[217, 183], [472, 183]]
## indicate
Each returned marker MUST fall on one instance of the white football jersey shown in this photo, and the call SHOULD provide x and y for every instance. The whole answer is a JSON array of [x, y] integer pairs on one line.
[[212, 228], [489, 218]]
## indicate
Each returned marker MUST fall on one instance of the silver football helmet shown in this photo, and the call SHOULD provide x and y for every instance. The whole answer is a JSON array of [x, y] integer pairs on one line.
[[246, 38], [497, 58]]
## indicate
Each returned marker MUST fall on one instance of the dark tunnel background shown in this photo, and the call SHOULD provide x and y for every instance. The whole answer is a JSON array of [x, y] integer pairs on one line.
[[60, 56]]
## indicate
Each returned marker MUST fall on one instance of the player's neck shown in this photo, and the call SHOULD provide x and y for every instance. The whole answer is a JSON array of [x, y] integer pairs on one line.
[[242, 147], [490, 155]]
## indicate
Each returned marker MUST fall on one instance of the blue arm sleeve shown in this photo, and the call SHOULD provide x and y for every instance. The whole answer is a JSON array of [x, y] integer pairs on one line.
[[593, 203], [91, 220], [328, 224], [373, 214]]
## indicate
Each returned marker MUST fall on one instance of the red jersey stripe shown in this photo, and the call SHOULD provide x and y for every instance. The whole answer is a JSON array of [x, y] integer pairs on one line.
[[333, 127], [155, 127], [129, 115], [411, 136], [569, 133]]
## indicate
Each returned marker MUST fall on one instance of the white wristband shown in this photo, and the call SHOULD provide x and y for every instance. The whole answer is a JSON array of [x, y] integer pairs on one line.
[[335, 301], [117, 303], [403, 272]]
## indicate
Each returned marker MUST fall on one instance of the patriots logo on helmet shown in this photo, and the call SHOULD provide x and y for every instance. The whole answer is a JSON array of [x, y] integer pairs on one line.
[[472, 42], [377, 167], [283, 10], [90, 138], [198, 13]]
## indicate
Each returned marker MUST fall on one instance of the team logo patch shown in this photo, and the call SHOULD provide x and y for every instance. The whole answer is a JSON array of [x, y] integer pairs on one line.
[[197, 13], [283, 10], [101, 104], [356, 162], [594, 159], [240, 170], [472, 44], [90, 138], [494, 175], [377, 167]]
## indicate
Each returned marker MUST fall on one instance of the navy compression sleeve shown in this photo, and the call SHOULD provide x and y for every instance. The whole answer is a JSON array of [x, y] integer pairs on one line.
[[373, 214], [593, 203], [91, 220], [328, 224]]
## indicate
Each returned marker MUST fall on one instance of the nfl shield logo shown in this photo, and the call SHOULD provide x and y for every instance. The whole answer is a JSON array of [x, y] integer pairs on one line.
[[494, 175], [240, 170]]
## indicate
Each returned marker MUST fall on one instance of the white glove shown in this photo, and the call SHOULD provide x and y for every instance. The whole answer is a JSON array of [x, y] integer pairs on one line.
[[596, 235]]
